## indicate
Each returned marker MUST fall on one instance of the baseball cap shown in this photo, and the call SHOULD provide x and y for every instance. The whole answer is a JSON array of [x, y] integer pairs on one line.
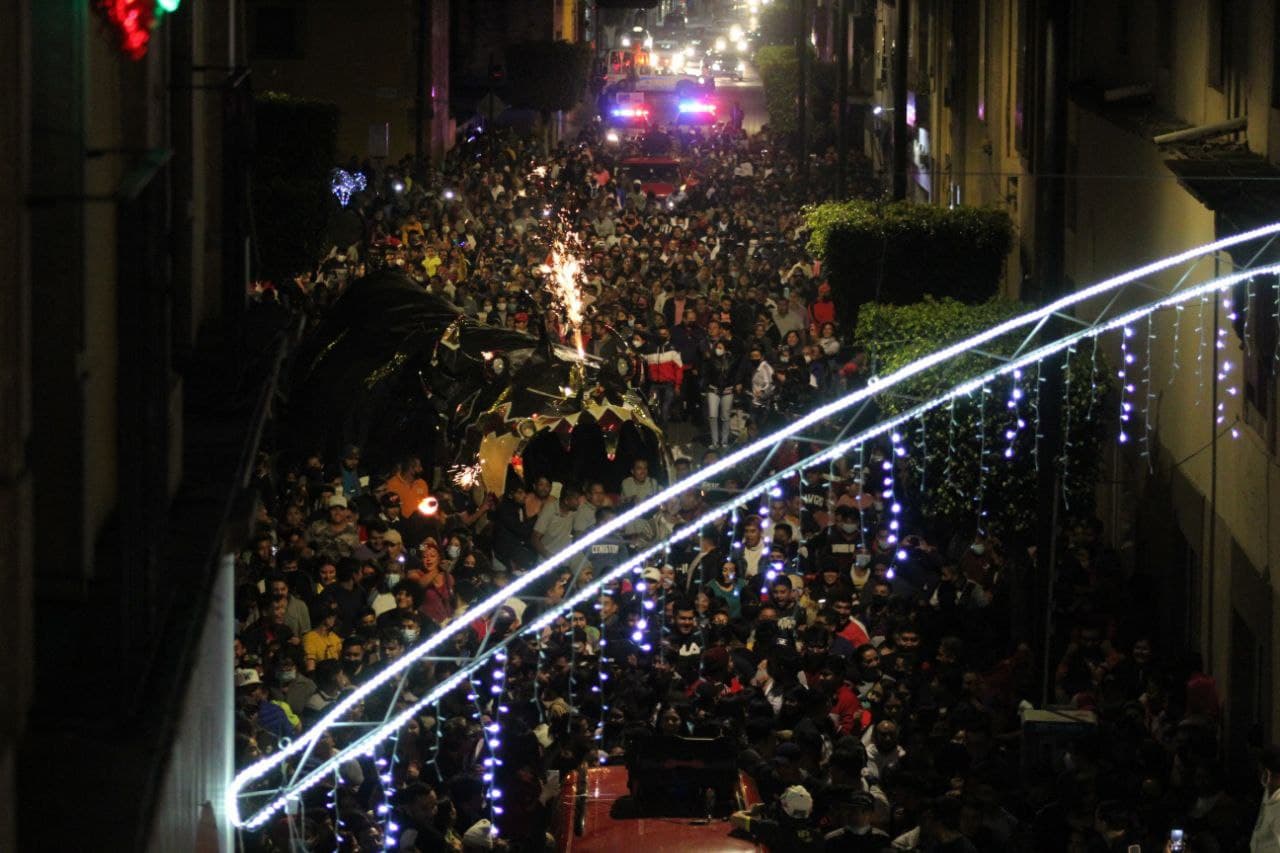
[[338, 500], [796, 802], [786, 752], [479, 836], [393, 536], [652, 573], [246, 677], [522, 317]]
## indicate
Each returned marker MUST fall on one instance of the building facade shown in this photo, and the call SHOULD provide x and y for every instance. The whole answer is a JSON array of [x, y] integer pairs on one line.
[[1057, 112], [123, 201], [386, 68]]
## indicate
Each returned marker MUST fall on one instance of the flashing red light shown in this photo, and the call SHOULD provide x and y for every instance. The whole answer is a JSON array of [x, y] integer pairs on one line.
[[133, 21], [631, 112]]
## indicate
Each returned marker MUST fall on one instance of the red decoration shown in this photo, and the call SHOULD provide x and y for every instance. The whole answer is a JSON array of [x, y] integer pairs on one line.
[[132, 21]]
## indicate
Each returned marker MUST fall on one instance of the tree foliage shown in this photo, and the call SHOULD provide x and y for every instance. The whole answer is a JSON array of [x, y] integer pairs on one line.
[[899, 252], [780, 74], [946, 445], [547, 76], [295, 147]]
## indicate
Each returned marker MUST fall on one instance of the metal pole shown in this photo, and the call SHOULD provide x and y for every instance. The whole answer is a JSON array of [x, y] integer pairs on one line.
[[802, 91], [842, 97], [901, 39]]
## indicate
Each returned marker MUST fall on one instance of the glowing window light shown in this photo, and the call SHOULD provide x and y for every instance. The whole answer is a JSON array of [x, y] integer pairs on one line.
[[265, 765]]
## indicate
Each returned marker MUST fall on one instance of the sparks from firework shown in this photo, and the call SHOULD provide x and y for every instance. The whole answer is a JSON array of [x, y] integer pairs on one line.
[[466, 476], [564, 271]]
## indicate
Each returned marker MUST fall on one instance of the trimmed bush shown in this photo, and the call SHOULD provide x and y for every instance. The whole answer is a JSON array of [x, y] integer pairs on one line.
[[899, 252], [952, 438], [296, 141]]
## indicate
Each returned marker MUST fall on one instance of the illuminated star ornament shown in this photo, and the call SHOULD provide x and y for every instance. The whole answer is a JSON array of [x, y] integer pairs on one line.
[[133, 21], [343, 184]]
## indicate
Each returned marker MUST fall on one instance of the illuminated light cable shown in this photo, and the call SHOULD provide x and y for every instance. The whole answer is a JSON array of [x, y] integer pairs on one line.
[[1014, 405], [259, 769], [1126, 386], [371, 739], [1147, 397]]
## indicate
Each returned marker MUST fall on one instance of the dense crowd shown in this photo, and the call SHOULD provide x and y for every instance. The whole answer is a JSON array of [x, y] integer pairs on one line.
[[866, 677]]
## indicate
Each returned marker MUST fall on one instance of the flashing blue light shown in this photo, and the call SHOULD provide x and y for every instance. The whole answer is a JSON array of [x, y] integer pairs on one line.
[[696, 107]]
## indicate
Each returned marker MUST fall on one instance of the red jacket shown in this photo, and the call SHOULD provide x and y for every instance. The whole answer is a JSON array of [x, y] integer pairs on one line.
[[665, 366], [847, 712]]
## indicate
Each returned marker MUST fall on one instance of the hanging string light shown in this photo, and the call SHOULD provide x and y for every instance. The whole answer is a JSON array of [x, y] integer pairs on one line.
[[1147, 396], [1035, 407], [1014, 405], [1126, 386], [1226, 369], [263, 766], [980, 496], [893, 496]]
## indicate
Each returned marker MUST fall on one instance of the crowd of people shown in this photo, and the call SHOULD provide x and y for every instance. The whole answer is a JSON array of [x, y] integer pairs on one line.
[[866, 676]]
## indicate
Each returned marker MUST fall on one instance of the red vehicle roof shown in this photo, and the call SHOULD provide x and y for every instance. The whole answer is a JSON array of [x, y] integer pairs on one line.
[[589, 826]]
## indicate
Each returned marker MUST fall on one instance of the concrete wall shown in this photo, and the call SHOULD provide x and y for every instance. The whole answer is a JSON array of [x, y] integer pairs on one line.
[[1196, 513], [15, 413], [1219, 496], [365, 63], [190, 814]]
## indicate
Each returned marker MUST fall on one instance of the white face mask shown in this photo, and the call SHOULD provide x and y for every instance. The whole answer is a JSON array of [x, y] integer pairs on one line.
[[849, 528], [862, 560], [978, 548], [392, 579], [453, 551]]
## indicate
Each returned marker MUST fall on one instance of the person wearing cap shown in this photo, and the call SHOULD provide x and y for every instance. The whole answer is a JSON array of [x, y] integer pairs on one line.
[[349, 471], [785, 825], [334, 536], [857, 835]]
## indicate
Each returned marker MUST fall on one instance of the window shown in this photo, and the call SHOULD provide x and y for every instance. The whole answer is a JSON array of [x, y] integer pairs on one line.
[[982, 60], [1256, 325], [1275, 56], [1218, 42], [277, 32], [1026, 80]]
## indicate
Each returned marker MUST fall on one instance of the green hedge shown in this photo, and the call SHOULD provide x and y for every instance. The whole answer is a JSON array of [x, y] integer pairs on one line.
[[951, 443], [295, 149], [897, 252]]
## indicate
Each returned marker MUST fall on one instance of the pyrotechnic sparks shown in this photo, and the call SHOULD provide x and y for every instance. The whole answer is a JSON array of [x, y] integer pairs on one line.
[[466, 476], [565, 274]]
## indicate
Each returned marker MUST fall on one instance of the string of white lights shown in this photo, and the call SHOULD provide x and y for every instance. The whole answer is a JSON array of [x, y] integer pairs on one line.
[[372, 739], [246, 777]]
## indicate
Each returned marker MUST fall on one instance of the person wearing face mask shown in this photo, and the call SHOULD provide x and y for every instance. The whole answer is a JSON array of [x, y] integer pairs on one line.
[[719, 368], [840, 544], [354, 666], [291, 687]]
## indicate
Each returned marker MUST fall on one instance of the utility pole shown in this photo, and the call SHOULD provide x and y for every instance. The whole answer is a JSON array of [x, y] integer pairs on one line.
[[1048, 282], [842, 97], [802, 101], [901, 40]]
